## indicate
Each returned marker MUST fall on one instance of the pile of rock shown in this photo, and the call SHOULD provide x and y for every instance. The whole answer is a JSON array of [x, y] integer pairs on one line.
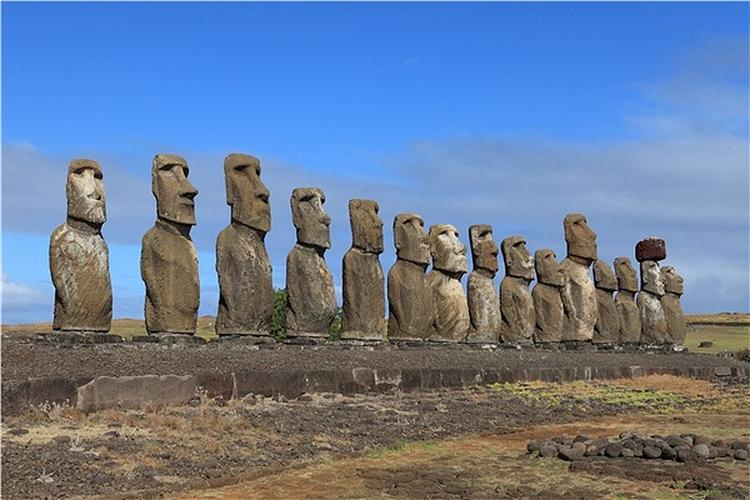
[[682, 448]]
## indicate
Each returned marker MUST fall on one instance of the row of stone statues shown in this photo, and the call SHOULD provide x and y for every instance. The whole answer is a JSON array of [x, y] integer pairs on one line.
[[564, 305]]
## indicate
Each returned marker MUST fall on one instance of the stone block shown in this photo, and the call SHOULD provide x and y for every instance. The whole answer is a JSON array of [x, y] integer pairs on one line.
[[136, 391]]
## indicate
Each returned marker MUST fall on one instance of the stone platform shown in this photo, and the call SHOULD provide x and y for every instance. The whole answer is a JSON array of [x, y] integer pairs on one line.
[[97, 375]]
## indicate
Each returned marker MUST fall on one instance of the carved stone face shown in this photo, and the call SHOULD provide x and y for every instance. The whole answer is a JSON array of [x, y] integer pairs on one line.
[[172, 189], [411, 241], [85, 191], [604, 277], [548, 270], [246, 193], [483, 248], [581, 239], [517, 258], [651, 278], [310, 218], [448, 253], [627, 280], [367, 226], [673, 282]]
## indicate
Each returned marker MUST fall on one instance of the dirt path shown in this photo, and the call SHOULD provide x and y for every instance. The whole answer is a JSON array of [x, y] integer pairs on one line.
[[497, 466]]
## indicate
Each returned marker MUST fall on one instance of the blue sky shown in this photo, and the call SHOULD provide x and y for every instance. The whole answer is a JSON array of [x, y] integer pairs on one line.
[[508, 114]]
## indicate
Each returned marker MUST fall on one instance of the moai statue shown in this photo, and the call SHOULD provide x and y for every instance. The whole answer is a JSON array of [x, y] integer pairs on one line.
[[311, 301], [364, 288], [450, 309], [484, 303], [653, 321], [579, 294], [547, 295], [242, 263], [169, 263], [607, 327], [78, 255], [519, 318], [409, 298], [627, 310], [673, 289]]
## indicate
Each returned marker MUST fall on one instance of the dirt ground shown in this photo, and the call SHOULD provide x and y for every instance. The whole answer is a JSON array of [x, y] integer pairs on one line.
[[437, 444]]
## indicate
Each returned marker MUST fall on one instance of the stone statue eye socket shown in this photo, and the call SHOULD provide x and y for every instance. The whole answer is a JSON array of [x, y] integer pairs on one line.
[[240, 168], [79, 171], [98, 175]]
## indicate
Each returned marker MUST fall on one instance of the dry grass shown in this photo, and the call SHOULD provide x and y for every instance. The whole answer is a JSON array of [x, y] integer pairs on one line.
[[729, 319]]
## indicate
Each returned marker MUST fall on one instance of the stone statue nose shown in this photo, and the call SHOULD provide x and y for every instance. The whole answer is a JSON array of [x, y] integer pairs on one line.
[[189, 193], [263, 195], [326, 220]]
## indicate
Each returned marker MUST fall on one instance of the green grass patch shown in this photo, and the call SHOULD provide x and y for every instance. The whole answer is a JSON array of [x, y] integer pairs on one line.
[[724, 338]]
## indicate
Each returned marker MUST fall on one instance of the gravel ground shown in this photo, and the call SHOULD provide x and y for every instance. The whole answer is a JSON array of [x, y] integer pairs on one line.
[[23, 358]]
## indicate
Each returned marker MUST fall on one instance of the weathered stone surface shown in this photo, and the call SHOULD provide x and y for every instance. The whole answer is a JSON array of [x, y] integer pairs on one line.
[[169, 263], [653, 320], [364, 288], [607, 328], [135, 392], [484, 304], [516, 304], [79, 257], [650, 249], [627, 310], [242, 263], [311, 300], [409, 297], [547, 297], [579, 293], [673, 289], [449, 304]]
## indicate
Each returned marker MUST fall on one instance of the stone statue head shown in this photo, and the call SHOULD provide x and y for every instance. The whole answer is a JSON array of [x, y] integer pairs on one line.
[[367, 226], [310, 218], [581, 239], [517, 258], [246, 193], [627, 280], [548, 270], [673, 282], [172, 189], [483, 248], [412, 243], [85, 191], [448, 253], [651, 280], [604, 277]]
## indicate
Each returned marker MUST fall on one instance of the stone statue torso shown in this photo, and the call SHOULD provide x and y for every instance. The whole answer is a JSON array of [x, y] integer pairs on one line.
[[409, 302], [548, 308], [364, 296], [449, 306], [517, 308], [675, 317], [484, 309], [607, 328], [311, 300], [245, 282], [629, 317], [653, 321], [579, 300], [169, 267], [79, 264]]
